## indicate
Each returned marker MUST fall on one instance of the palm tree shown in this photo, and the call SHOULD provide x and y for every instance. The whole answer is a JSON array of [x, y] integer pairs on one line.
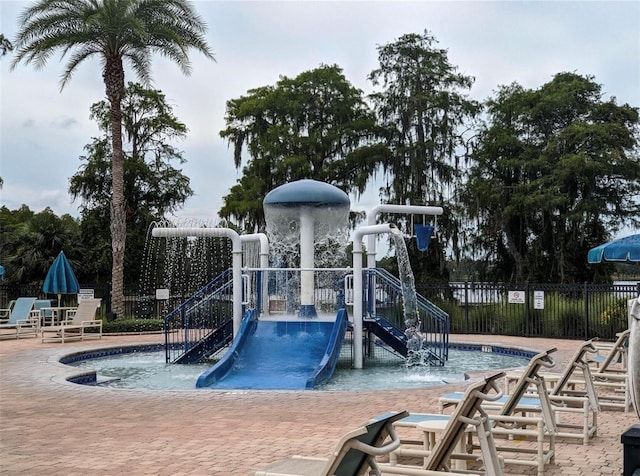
[[116, 31], [5, 45]]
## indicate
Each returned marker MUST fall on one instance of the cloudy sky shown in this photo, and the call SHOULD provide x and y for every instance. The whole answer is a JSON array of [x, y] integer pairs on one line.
[[43, 130]]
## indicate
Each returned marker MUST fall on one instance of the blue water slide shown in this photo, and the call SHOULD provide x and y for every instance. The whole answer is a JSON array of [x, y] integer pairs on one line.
[[279, 355]]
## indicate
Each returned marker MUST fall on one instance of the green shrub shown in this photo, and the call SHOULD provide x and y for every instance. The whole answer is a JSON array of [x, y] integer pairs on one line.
[[485, 319], [455, 312], [613, 319], [615, 314], [128, 324], [571, 323], [515, 324], [479, 319]]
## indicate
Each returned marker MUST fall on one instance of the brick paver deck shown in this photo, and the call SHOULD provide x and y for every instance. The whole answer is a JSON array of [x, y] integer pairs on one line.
[[52, 427]]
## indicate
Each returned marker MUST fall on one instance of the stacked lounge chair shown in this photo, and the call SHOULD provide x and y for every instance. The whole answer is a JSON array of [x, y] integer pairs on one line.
[[508, 427]]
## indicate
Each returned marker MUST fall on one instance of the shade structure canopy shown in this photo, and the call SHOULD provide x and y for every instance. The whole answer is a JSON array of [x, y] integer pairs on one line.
[[307, 192], [60, 278], [625, 249]]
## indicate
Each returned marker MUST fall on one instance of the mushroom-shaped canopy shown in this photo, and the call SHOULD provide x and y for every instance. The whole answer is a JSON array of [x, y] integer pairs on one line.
[[306, 192], [291, 206]]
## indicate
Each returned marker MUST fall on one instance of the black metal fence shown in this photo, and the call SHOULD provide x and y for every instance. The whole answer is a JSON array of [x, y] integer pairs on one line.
[[572, 311]]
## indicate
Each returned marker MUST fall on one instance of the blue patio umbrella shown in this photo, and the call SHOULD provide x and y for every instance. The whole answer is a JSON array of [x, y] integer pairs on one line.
[[60, 278], [625, 249]]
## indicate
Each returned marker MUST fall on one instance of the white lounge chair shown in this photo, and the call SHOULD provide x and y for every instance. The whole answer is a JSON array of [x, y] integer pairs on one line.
[[5, 312], [354, 455], [573, 393], [78, 321], [608, 370], [612, 356], [469, 413], [508, 428], [23, 321], [43, 305]]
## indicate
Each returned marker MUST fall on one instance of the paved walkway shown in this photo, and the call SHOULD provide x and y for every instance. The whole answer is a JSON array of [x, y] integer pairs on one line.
[[51, 427]]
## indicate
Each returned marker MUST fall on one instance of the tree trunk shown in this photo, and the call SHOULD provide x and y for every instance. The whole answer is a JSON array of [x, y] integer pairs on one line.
[[114, 83]]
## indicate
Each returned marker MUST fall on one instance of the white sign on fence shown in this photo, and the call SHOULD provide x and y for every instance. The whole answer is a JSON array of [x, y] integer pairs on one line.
[[516, 297], [85, 294], [162, 294], [538, 299]]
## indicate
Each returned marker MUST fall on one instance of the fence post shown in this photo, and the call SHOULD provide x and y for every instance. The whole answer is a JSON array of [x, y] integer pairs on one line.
[[586, 311], [527, 314], [110, 315], [466, 307]]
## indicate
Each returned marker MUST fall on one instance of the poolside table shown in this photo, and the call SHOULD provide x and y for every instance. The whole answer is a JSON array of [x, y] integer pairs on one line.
[[52, 316]]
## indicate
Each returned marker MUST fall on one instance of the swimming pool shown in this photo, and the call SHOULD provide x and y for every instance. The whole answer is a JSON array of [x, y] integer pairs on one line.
[[144, 367]]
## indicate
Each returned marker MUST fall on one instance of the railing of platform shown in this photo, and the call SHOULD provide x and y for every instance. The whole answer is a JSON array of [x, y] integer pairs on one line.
[[387, 301], [277, 290], [197, 317]]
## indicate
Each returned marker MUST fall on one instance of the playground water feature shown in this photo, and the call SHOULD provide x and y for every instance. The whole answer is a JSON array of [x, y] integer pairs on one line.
[[303, 218]]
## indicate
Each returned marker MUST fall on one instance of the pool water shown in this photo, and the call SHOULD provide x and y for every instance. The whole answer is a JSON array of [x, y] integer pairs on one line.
[[148, 370]]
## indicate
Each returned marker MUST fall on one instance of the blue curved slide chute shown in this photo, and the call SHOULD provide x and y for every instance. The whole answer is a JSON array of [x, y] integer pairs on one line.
[[279, 355]]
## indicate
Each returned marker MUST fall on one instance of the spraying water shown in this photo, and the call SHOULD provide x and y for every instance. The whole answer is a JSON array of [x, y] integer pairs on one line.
[[415, 339], [330, 234], [181, 264]]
